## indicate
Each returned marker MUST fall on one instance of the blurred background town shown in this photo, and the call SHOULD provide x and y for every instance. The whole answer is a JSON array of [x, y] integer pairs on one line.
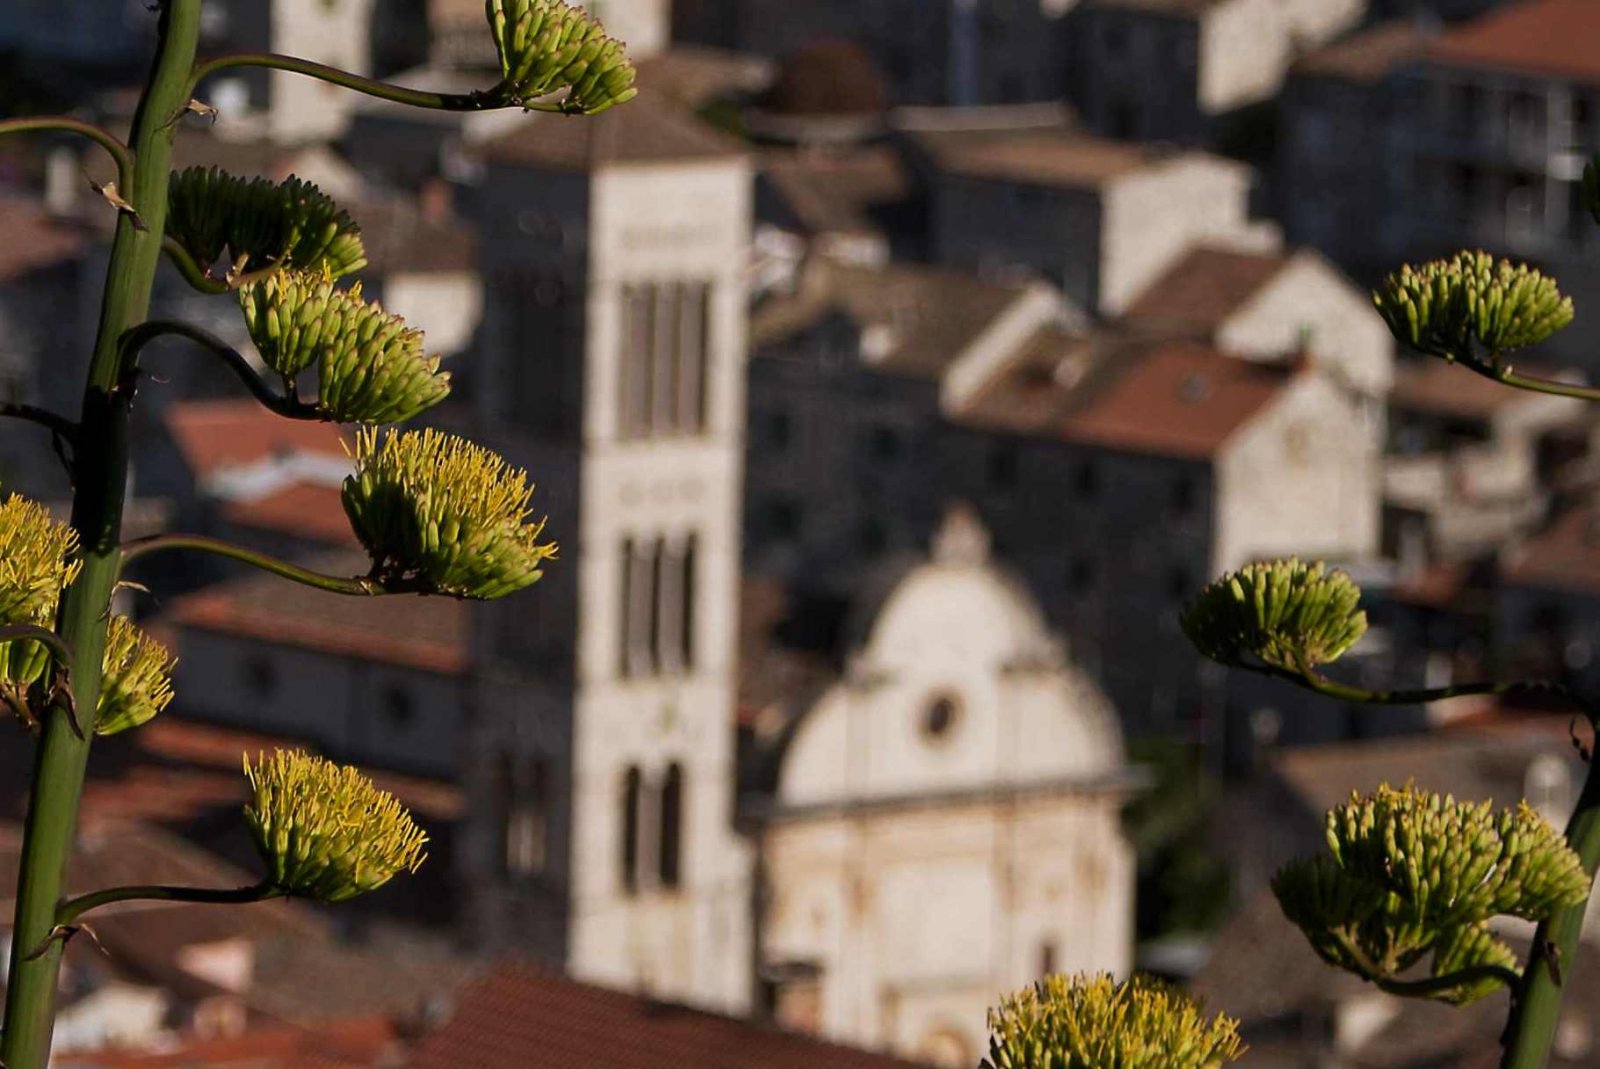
[[892, 371]]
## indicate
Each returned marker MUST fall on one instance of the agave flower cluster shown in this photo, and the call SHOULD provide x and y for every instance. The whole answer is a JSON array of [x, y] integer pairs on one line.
[[437, 512], [1287, 614], [261, 224], [36, 563], [136, 683], [371, 367], [1471, 307], [324, 831], [1095, 1023], [1411, 873], [547, 46]]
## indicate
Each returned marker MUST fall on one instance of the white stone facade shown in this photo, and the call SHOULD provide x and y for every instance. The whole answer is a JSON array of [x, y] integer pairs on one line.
[[946, 823]]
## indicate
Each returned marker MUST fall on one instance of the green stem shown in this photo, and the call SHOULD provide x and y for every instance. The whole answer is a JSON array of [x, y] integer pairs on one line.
[[360, 586], [1361, 695], [73, 908], [102, 475], [477, 100], [134, 341], [1537, 1009], [1438, 985], [119, 152]]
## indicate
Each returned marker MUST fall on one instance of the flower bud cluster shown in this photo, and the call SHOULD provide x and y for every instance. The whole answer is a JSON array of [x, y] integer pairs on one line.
[[546, 46], [1410, 873], [324, 831], [1285, 613], [439, 512], [137, 678], [371, 367], [37, 561], [1094, 1022], [260, 223], [1471, 306]]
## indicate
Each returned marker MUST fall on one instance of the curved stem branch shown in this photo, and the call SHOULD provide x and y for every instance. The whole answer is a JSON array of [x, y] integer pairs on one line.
[[119, 152], [1438, 985], [137, 338], [42, 635], [358, 585], [476, 100], [73, 908], [191, 271], [60, 426], [1361, 695]]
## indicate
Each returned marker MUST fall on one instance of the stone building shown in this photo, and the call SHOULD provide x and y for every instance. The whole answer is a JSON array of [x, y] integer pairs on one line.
[[956, 776], [1175, 70], [1098, 218]]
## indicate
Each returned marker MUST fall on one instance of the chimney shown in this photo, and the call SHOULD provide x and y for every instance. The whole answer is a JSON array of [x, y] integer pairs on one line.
[[63, 182]]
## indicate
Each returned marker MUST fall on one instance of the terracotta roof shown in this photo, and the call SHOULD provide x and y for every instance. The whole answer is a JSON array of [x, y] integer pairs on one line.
[[33, 241], [1564, 556], [1547, 37], [695, 75], [1065, 160], [312, 511], [645, 130], [924, 317], [1371, 54], [836, 192], [1206, 287], [214, 435], [1178, 400], [358, 1043], [1434, 387], [521, 1018], [425, 633]]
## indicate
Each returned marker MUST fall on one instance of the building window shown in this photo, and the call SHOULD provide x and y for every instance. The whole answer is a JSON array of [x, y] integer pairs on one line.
[[1087, 480], [782, 519], [1183, 495], [939, 718], [632, 800], [669, 859], [261, 676], [523, 803], [778, 431], [399, 710], [1047, 958], [662, 377], [1003, 467], [659, 589], [883, 445]]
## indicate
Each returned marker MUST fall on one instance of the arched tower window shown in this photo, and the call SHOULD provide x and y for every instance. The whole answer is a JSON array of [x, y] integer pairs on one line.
[[632, 799], [670, 859]]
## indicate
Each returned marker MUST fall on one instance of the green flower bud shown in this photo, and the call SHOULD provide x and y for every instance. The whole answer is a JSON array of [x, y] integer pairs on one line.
[[547, 46], [324, 831], [261, 223], [36, 564], [137, 679], [1471, 306], [437, 512], [1286, 614], [371, 367], [1094, 1022], [1411, 873]]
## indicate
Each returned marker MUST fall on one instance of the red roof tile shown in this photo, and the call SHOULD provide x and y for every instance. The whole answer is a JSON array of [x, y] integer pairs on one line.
[[1178, 400], [1548, 37], [520, 1018], [33, 240], [360, 1042], [1204, 288], [312, 511], [213, 435]]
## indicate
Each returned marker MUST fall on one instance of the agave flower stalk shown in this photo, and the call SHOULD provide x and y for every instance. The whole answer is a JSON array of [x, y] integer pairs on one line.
[[256, 231]]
